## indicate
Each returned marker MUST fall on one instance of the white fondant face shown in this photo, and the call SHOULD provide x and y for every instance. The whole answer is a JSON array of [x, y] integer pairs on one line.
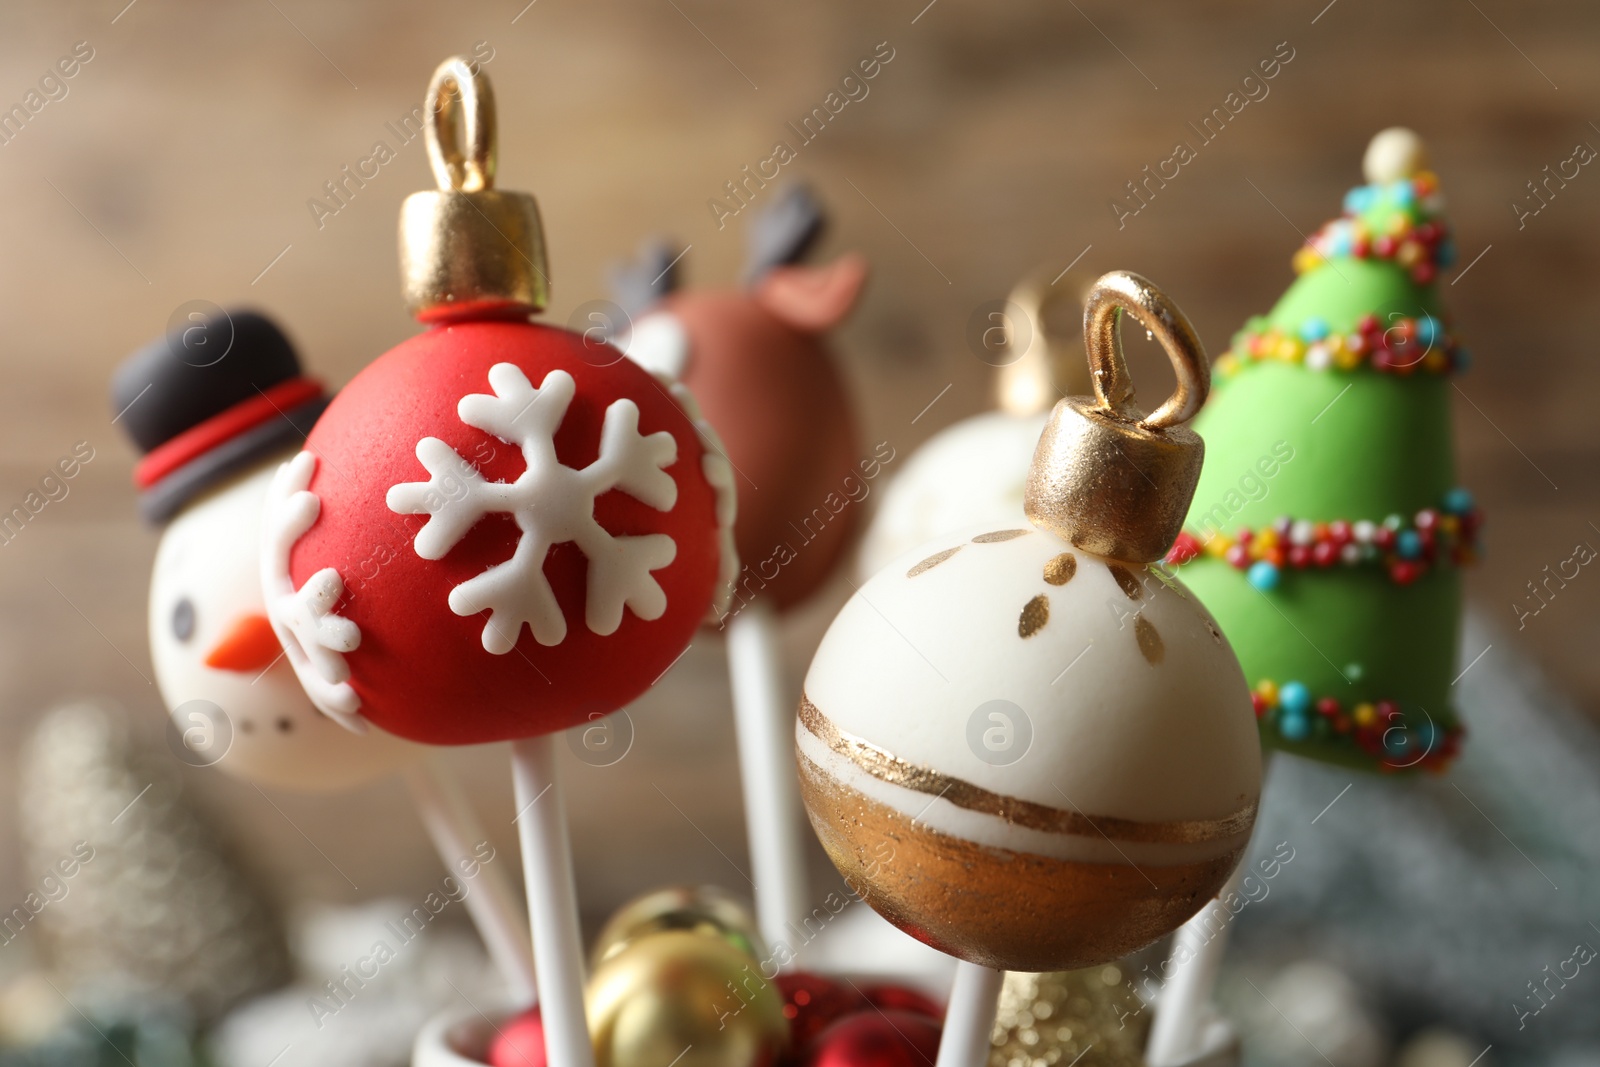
[[1124, 700], [972, 472], [659, 343], [206, 605]]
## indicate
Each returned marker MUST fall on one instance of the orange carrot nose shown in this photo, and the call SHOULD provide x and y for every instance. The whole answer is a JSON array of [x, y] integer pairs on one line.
[[249, 645]]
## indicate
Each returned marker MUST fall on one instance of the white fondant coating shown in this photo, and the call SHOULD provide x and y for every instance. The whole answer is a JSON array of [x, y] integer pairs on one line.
[[909, 659], [209, 555], [552, 504], [314, 638], [718, 472], [971, 472], [659, 343]]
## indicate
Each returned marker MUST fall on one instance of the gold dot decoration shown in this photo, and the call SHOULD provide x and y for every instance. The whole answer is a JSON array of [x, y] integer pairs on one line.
[[1035, 613], [1150, 643], [1060, 569], [1126, 580], [932, 561], [998, 536]]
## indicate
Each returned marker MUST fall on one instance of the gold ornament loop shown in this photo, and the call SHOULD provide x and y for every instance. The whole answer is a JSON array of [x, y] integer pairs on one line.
[[467, 249], [459, 86], [1106, 477], [1108, 369]]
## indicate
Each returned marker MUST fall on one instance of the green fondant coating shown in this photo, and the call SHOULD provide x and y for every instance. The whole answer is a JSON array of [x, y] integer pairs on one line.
[[1345, 289], [1361, 445]]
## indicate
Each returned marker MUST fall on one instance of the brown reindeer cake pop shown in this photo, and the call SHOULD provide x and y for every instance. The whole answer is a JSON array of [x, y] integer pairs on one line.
[[758, 361]]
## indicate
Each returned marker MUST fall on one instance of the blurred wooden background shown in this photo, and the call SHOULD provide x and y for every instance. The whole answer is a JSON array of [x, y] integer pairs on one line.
[[179, 165]]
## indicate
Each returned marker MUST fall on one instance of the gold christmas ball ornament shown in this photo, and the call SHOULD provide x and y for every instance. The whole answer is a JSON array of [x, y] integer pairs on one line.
[[701, 909], [680, 997], [1091, 1018]]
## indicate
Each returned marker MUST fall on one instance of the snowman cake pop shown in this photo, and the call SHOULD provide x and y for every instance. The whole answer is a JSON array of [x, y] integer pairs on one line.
[[216, 406], [975, 470], [554, 523], [1027, 746]]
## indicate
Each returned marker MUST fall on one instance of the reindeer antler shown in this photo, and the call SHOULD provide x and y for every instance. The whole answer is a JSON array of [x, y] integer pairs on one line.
[[783, 232], [647, 279]]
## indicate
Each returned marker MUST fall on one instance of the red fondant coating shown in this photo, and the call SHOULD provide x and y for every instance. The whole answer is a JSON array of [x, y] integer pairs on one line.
[[766, 380], [421, 670]]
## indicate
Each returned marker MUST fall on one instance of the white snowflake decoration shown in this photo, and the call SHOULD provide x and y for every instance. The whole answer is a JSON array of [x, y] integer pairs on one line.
[[551, 504], [314, 638]]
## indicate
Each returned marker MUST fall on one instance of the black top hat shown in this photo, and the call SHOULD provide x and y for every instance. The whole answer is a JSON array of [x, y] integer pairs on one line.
[[209, 399]]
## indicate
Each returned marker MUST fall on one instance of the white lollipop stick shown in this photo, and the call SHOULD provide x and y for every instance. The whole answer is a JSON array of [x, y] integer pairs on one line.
[[455, 830], [969, 1020], [552, 900], [764, 721], [1175, 1032]]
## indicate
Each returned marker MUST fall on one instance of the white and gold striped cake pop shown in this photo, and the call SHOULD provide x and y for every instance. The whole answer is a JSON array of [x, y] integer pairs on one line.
[[1029, 746]]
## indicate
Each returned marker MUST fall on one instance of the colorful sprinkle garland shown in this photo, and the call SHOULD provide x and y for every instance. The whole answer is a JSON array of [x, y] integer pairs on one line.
[[1397, 220], [1398, 740], [1434, 537], [1405, 346]]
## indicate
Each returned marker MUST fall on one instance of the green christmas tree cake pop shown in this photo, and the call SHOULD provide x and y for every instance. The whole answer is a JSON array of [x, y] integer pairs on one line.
[[1328, 529]]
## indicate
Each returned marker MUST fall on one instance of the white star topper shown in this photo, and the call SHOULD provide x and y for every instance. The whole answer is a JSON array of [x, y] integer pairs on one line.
[[551, 504]]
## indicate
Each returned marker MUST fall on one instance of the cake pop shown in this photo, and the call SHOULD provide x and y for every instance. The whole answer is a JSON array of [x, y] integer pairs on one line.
[[758, 361], [970, 796], [226, 401], [565, 518], [1331, 552], [212, 434], [974, 471]]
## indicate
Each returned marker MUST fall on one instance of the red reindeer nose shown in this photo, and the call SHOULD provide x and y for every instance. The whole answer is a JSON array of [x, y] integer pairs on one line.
[[249, 645]]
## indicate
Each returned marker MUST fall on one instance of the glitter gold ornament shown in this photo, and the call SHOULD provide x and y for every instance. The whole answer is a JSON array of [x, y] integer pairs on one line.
[[701, 909], [680, 997], [1091, 1018]]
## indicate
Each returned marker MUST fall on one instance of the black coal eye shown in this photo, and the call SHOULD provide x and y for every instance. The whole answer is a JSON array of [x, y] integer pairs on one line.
[[183, 619]]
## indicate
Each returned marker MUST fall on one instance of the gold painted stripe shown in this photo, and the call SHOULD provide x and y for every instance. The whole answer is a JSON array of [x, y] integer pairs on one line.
[[890, 768]]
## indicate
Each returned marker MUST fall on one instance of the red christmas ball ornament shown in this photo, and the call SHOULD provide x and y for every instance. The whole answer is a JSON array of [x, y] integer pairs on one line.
[[812, 1003], [876, 1039], [498, 529], [519, 1042], [903, 998]]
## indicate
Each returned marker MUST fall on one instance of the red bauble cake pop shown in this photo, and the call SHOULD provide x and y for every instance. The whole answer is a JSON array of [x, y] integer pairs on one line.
[[498, 529]]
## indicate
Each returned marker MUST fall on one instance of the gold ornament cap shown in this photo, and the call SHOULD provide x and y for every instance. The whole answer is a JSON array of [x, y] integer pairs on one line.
[[1106, 477], [468, 250]]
